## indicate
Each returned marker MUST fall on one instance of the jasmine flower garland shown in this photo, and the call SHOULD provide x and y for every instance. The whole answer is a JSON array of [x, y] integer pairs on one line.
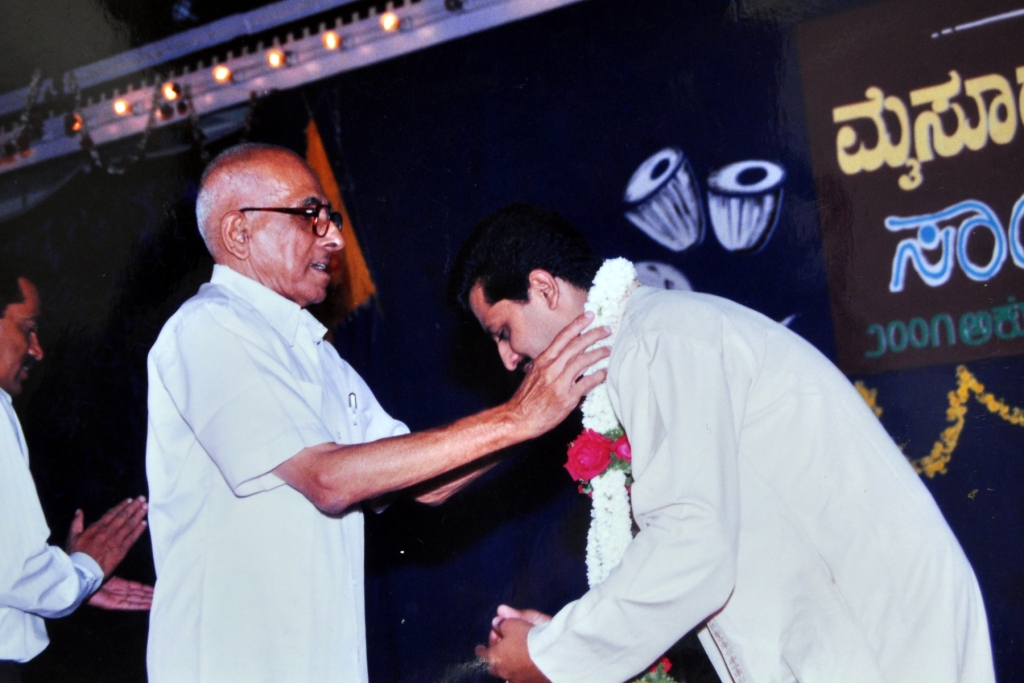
[[600, 458], [610, 525]]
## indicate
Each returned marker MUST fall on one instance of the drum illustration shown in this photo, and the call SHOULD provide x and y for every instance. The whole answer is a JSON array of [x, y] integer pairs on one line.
[[661, 275], [743, 203], [663, 200]]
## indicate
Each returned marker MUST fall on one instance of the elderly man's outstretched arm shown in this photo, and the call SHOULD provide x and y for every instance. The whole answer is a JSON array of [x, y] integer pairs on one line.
[[334, 477]]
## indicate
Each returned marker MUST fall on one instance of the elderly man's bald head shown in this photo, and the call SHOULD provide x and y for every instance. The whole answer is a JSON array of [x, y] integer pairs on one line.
[[263, 213], [237, 177]]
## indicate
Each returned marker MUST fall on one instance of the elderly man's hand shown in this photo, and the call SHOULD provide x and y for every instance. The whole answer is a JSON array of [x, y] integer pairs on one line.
[[121, 594], [554, 385], [507, 656], [108, 539]]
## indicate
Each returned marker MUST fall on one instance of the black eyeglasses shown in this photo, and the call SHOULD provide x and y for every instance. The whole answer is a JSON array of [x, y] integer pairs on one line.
[[320, 215]]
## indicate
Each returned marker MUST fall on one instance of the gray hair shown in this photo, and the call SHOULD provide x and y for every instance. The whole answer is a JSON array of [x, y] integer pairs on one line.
[[215, 183]]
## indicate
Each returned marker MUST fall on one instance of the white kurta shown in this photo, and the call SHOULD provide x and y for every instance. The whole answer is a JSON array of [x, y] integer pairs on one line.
[[36, 579], [772, 501], [253, 582]]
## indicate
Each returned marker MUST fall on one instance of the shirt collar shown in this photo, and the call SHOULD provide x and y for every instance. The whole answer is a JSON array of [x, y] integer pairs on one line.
[[282, 314], [5, 396]]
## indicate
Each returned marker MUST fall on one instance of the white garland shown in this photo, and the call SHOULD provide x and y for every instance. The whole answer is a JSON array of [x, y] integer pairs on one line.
[[611, 525], [611, 522], [614, 282]]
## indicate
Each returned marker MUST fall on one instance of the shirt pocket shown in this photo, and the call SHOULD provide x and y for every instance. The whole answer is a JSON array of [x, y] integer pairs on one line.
[[355, 416]]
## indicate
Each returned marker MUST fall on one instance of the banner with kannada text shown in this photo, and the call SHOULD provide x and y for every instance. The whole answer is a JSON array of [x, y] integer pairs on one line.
[[916, 121]]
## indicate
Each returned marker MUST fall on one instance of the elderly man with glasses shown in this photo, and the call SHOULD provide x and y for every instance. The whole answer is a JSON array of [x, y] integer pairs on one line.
[[263, 442]]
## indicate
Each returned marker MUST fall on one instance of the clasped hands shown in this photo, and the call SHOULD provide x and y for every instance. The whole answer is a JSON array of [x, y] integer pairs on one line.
[[506, 653], [107, 540]]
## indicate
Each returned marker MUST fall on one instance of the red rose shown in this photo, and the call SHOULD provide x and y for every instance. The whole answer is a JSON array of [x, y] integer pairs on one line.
[[662, 662], [589, 455], [622, 450]]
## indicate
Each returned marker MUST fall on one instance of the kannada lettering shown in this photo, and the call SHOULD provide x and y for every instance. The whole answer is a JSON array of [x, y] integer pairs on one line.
[[949, 242], [991, 104], [973, 328]]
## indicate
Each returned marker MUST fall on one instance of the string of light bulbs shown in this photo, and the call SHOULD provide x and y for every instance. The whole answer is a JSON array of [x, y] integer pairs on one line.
[[240, 77]]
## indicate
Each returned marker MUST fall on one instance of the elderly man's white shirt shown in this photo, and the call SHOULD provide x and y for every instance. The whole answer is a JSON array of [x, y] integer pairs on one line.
[[770, 499], [37, 580], [253, 582]]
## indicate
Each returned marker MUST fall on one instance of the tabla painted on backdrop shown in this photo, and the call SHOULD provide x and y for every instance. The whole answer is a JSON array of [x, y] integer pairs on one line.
[[662, 275], [663, 200], [743, 203]]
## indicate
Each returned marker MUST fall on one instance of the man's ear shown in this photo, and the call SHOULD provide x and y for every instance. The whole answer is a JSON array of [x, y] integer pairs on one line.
[[235, 235], [544, 285]]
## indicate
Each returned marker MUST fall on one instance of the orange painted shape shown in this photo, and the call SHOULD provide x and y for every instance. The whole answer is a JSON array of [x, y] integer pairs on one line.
[[350, 277]]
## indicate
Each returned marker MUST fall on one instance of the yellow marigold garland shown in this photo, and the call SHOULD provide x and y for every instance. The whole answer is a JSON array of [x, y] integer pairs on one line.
[[942, 451], [870, 397]]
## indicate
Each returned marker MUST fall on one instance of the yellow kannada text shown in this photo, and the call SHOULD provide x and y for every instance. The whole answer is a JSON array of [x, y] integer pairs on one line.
[[991, 114]]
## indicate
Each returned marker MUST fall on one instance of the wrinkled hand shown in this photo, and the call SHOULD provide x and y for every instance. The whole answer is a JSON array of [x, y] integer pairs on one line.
[[554, 385], [507, 657], [506, 612], [108, 539], [120, 594]]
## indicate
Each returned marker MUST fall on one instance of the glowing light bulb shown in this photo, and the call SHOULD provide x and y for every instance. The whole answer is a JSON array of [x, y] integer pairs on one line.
[[122, 107], [73, 123], [332, 41], [170, 91], [221, 73], [277, 58], [389, 21]]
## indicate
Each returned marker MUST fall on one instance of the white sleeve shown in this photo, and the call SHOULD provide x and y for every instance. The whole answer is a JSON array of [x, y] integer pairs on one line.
[[246, 409], [35, 577], [673, 397], [60, 582]]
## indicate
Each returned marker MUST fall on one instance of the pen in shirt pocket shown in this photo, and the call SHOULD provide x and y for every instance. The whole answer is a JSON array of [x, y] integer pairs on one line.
[[353, 405]]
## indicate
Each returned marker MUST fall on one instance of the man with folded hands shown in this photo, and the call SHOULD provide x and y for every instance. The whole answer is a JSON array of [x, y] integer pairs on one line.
[[39, 581]]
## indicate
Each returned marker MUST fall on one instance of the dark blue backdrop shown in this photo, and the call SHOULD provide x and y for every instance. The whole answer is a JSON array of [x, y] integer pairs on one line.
[[559, 110]]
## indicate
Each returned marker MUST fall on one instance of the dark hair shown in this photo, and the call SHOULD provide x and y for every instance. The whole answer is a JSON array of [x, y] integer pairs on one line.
[[10, 288], [517, 239]]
